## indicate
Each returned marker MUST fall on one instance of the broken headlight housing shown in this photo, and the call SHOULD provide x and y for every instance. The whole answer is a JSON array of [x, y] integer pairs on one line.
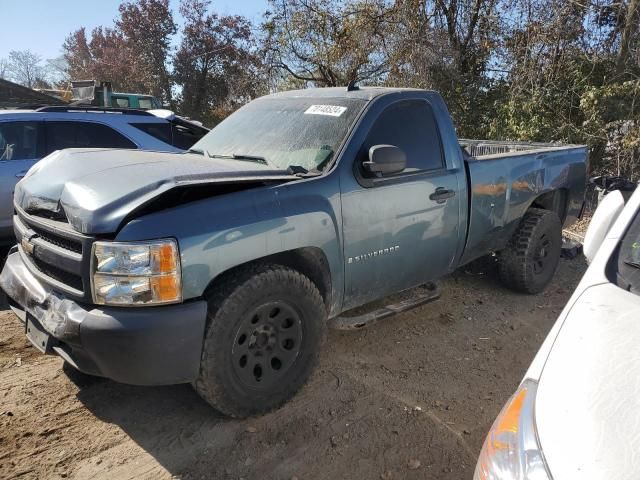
[[136, 273]]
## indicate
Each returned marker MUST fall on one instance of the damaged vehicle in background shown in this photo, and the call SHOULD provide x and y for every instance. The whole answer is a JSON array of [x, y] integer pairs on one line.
[[27, 135], [221, 267], [575, 414]]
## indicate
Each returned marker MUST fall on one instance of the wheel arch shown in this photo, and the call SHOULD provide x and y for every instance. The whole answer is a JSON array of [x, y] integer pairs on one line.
[[553, 200], [312, 262]]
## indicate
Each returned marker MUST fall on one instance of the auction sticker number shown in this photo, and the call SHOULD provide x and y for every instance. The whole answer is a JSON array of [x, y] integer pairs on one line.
[[331, 110]]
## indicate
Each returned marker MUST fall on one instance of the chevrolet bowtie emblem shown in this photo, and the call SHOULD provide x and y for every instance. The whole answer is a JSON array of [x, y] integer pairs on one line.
[[27, 246]]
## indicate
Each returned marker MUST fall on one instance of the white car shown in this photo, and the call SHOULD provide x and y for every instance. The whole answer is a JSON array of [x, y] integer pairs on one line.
[[576, 414], [27, 135]]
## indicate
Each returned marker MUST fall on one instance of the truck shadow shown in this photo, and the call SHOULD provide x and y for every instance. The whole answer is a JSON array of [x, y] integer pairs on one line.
[[483, 270], [172, 424], [173, 433]]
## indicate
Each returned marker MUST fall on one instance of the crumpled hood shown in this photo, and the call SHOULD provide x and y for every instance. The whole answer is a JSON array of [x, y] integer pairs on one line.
[[589, 391], [97, 188]]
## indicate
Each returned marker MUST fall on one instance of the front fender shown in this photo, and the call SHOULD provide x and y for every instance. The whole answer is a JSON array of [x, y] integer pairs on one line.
[[220, 233]]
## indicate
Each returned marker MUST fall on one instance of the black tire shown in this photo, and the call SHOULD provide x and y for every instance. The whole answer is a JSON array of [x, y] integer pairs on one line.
[[531, 257], [265, 329]]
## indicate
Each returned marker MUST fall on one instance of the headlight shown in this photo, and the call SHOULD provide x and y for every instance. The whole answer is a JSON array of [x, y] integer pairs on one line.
[[511, 450], [139, 273]]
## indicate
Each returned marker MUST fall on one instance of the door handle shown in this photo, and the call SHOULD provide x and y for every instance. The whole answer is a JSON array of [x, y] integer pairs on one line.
[[21, 174], [441, 194]]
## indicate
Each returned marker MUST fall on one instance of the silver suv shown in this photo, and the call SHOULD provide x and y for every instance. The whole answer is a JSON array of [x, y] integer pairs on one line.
[[26, 136]]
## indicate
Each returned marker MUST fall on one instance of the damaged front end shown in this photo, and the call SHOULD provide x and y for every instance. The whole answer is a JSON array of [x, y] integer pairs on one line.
[[47, 278], [58, 315], [64, 209], [95, 191], [159, 346]]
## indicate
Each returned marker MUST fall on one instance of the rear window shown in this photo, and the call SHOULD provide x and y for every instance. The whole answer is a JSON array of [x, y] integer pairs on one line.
[[185, 137], [121, 102], [145, 103], [160, 131], [62, 135], [177, 135], [20, 140]]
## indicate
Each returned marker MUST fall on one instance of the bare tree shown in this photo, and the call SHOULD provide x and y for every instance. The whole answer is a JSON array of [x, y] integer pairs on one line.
[[329, 42], [215, 66], [148, 26], [57, 71], [629, 28], [4, 68], [25, 67]]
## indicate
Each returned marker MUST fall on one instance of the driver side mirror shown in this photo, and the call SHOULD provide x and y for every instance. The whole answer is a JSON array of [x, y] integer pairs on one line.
[[603, 219], [385, 160]]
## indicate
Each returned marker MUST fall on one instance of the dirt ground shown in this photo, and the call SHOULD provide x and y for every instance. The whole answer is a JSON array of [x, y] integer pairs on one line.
[[409, 397]]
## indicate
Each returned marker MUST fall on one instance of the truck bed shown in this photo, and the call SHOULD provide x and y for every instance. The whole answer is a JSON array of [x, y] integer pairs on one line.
[[489, 149], [507, 178]]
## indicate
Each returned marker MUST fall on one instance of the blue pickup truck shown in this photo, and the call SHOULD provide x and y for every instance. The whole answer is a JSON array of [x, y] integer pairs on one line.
[[223, 266]]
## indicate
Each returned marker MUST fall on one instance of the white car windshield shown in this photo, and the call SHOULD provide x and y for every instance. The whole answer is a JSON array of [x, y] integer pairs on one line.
[[628, 258]]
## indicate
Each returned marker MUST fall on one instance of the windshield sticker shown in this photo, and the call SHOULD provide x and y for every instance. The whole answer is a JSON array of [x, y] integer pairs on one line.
[[331, 110]]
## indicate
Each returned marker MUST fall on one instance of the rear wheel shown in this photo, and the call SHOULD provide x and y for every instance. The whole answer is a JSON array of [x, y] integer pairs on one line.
[[265, 329], [530, 259]]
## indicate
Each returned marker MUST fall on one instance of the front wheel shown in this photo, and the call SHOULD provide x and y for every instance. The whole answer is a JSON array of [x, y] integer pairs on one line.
[[265, 330], [530, 259]]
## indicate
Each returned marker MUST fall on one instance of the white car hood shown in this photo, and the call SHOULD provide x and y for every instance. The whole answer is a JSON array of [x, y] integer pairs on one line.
[[588, 401]]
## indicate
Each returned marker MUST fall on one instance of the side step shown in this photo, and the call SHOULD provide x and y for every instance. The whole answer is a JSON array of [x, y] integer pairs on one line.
[[424, 294]]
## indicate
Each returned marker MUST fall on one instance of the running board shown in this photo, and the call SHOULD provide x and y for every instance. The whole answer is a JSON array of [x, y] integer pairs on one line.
[[431, 293]]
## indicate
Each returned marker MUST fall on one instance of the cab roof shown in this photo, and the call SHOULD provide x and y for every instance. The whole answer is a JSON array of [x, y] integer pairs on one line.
[[363, 93]]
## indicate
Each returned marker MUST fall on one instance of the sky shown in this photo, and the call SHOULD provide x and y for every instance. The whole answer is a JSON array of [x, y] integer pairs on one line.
[[42, 25]]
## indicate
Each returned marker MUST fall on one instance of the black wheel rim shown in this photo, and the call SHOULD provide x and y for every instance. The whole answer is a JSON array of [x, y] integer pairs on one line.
[[542, 255], [267, 344]]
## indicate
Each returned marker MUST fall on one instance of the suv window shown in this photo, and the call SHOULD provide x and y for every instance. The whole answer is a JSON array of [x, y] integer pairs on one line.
[[409, 125], [177, 135], [161, 131], [185, 137], [84, 135], [20, 140]]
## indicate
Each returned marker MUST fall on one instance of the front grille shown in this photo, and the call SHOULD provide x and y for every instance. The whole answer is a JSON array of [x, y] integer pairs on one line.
[[74, 281], [55, 253], [58, 240]]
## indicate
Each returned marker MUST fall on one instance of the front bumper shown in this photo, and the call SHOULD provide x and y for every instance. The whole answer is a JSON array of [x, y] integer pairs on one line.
[[139, 346]]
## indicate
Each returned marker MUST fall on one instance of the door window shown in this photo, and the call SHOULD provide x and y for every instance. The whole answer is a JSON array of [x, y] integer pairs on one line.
[[185, 137], [20, 140], [160, 131], [84, 135], [177, 135], [409, 125]]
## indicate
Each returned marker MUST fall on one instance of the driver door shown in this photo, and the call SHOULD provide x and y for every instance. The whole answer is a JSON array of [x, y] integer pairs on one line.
[[398, 231]]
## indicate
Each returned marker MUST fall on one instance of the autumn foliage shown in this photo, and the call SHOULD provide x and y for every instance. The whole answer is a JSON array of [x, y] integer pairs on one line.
[[539, 70]]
